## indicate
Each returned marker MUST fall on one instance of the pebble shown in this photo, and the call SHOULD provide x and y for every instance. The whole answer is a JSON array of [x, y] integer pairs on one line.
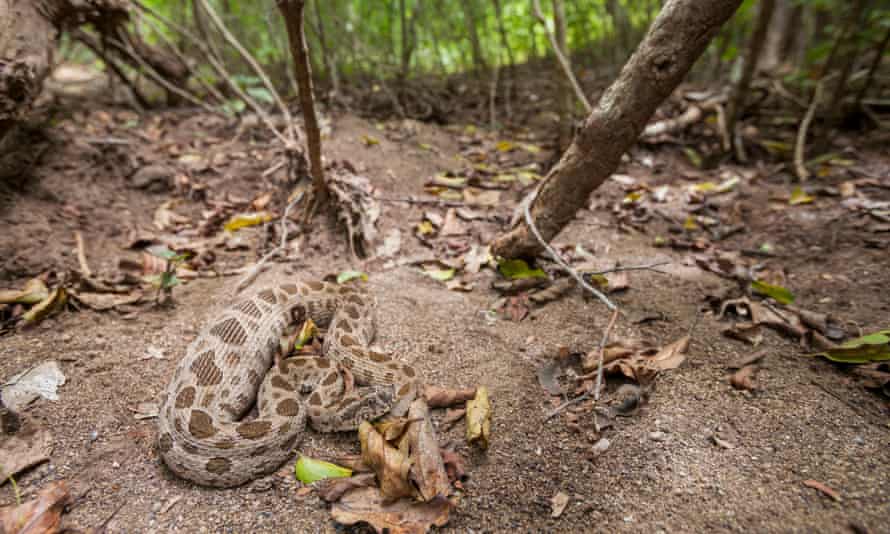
[[858, 440], [658, 435]]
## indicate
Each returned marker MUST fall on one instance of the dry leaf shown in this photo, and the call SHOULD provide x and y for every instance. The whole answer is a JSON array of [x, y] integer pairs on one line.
[[454, 465], [558, 502], [438, 397], [391, 466], [29, 446], [42, 515], [332, 489], [744, 377], [367, 505], [427, 469], [816, 485], [479, 418]]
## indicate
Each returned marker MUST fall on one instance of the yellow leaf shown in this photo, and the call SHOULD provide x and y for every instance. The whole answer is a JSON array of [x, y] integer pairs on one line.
[[799, 196], [307, 332], [689, 223], [54, 302], [479, 418], [505, 146], [425, 228], [34, 291], [247, 219], [370, 140]]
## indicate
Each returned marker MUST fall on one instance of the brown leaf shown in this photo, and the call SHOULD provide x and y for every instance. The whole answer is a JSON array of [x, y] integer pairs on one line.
[[367, 505], [744, 377], [391, 466], [107, 301], [393, 429], [351, 461], [42, 515], [438, 397], [455, 465], [816, 485], [332, 489], [750, 359], [29, 446], [427, 469]]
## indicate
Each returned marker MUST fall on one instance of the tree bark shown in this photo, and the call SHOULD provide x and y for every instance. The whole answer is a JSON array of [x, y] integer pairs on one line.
[[292, 10], [677, 38], [505, 43]]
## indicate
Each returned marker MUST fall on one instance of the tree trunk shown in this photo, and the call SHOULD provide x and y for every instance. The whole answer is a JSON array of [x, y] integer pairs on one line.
[[677, 38], [752, 56], [845, 52], [475, 43], [292, 10], [565, 97], [505, 43]]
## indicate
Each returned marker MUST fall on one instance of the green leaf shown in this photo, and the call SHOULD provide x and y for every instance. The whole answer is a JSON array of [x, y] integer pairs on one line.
[[168, 279], [442, 275], [261, 93], [518, 269], [309, 470], [161, 251], [347, 276], [777, 293], [694, 156], [869, 348], [799, 196]]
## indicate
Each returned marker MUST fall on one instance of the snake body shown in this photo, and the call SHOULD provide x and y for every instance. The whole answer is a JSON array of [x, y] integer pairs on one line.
[[203, 435]]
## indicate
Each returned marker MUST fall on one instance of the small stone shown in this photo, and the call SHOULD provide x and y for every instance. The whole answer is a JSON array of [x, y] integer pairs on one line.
[[153, 178], [600, 447], [858, 440], [658, 435], [94, 435]]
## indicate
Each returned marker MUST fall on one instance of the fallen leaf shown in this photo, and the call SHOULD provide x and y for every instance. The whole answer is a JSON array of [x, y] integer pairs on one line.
[[166, 219], [427, 469], [145, 410], [439, 397], [481, 197], [33, 292], [558, 504], [41, 515], [816, 485], [479, 418], [332, 489], [391, 465], [799, 196], [391, 244], [517, 269], [40, 381], [367, 505], [348, 276], [28, 446], [307, 332], [245, 220], [442, 275], [777, 293], [106, 301], [53, 303], [309, 470], [869, 348], [744, 377]]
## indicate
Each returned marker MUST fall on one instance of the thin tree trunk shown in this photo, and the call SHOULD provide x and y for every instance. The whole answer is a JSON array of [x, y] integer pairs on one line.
[[292, 10], [880, 49], [475, 43], [677, 38], [505, 43], [846, 50], [752, 57], [327, 52]]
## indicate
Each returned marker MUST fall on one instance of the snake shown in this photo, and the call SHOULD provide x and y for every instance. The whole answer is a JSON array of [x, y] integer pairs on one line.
[[207, 432]]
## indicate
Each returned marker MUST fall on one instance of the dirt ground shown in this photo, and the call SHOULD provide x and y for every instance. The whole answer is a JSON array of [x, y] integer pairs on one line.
[[664, 472]]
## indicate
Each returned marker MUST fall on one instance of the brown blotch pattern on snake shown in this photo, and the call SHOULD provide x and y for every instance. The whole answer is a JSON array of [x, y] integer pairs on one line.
[[288, 408], [281, 383], [185, 398], [254, 429], [201, 425], [207, 373], [218, 465], [230, 331]]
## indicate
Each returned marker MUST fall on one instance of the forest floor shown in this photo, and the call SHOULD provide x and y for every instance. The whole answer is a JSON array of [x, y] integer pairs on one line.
[[699, 456]]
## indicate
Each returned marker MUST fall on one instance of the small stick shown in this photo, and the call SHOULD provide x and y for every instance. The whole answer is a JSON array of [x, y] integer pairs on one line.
[[257, 268], [82, 256], [599, 373], [558, 259], [430, 202], [799, 168], [566, 67], [618, 269]]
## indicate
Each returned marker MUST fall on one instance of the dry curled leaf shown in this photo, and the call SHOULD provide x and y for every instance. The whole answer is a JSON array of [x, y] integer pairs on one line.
[[438, 397], [427, 469], [367, 505], [391, 465], [332, 489], [42, 515], [479, 418], [558, 504], [744, 377], [29, 446]]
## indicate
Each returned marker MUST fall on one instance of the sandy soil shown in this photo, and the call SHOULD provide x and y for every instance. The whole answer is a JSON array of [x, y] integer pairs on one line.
[[663, 472]]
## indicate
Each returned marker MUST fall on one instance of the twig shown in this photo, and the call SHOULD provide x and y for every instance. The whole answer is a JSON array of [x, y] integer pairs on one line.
[[618, 269], [799, 168], [82, 256], [423, 201], [563, 61], [256, 68], [599, 373], [558, 259], [254, 271]]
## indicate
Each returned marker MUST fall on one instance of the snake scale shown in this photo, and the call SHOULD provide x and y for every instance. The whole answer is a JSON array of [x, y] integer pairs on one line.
[[203, 434]]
